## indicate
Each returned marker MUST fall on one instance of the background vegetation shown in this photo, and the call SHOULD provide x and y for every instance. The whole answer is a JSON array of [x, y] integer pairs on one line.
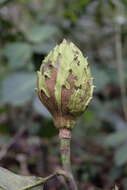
[[28, 143]]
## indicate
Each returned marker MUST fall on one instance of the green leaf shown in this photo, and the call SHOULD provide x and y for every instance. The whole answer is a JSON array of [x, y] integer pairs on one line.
[[116, 138], [39, 33], [44, 46], [11, 181], [3, 2], [4, 139], [101, 78], [121, 155], [18, 53], [18, 88]]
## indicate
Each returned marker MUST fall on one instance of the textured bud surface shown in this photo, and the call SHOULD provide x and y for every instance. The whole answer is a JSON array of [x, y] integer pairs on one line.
[[65, 85]]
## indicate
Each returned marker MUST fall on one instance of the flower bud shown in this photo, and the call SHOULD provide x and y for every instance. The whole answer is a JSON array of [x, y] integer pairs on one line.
[[64, 84]]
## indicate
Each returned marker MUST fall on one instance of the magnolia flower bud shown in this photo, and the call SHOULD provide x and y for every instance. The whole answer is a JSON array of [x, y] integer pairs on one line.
[[64, 84]]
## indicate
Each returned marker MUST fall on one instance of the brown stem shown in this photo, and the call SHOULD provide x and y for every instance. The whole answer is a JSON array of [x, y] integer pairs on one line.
[[65, 138]]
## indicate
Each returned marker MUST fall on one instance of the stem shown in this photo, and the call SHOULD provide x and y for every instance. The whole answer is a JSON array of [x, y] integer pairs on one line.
[[65, 153], [40, 182], [121, 69], [65, 138]]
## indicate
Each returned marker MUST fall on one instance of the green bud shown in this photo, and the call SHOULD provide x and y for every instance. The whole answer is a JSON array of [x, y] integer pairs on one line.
[[64, 84]]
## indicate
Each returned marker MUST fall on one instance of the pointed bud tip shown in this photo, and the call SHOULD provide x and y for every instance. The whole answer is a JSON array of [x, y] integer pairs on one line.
[[66, 41]]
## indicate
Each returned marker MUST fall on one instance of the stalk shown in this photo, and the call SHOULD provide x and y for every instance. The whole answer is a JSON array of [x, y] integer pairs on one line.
[[65, 140], [121, 69]]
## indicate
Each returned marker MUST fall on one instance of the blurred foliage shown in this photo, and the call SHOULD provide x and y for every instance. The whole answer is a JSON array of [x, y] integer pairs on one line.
[[28, 145], [10, 181]]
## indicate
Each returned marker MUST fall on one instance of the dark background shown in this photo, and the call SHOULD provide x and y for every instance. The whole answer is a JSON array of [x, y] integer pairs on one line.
[[29, 29]]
